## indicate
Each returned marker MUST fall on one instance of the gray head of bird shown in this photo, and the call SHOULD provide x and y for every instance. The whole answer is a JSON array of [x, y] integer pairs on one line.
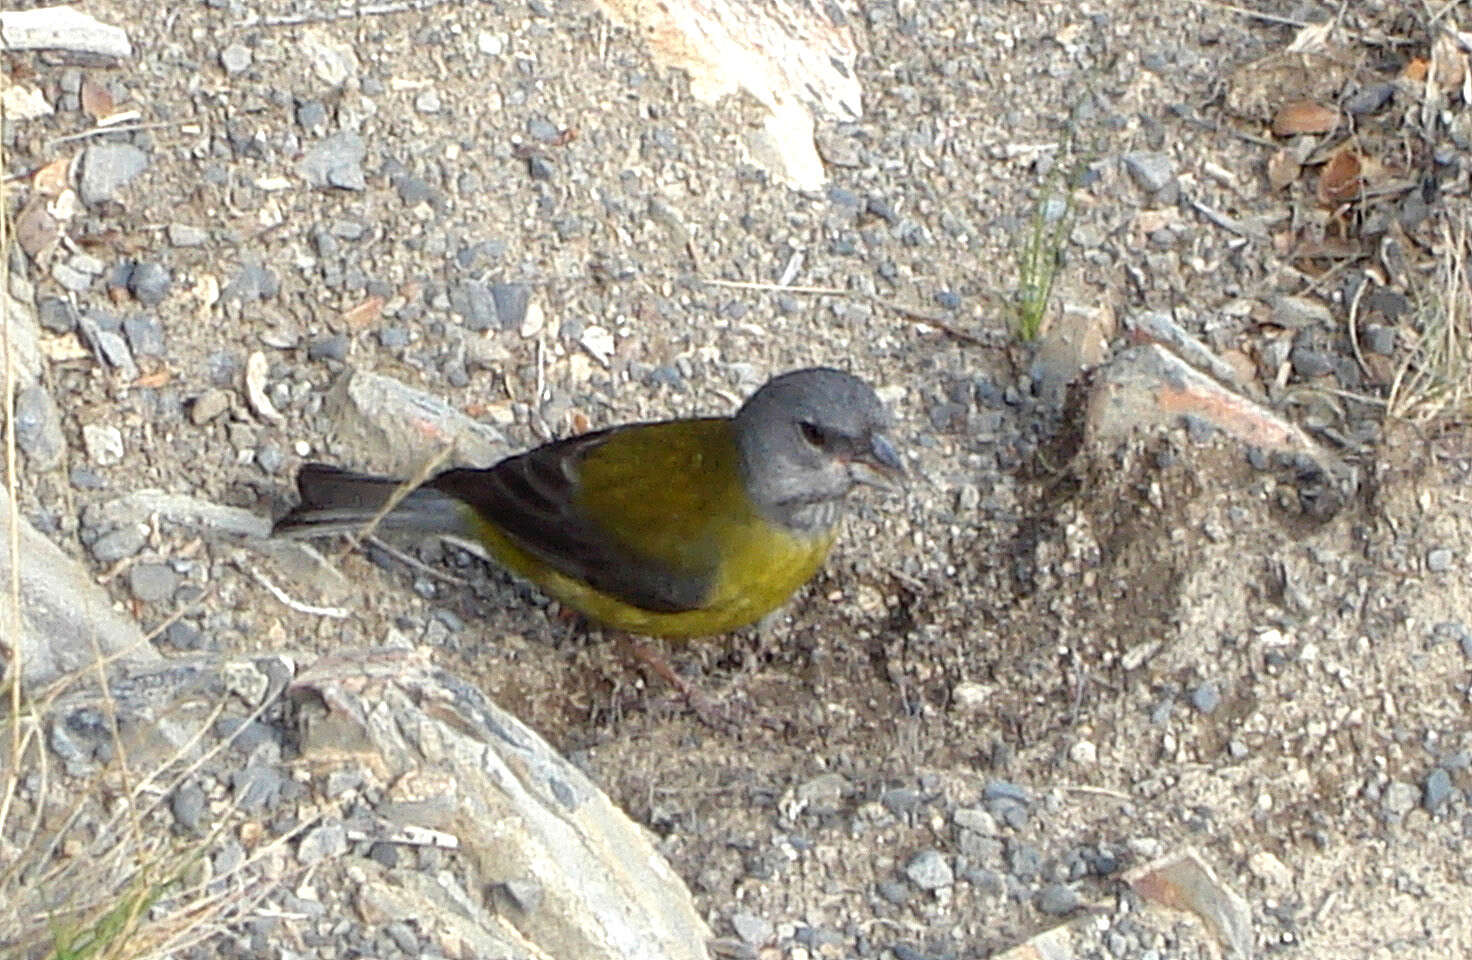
[[807, 438]]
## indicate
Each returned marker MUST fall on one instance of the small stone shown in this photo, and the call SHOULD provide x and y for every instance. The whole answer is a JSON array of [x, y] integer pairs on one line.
[[543, 129], [336, 162], [928, 870], [152, 582], [1206, 698], [513, 304], [111, 547], [107, 168], [476, 304], [236, 58], [328, 840], [1437, 789], [257, 787], [1057, 899], [976, 820], [187, 805], [428, 101], [38, 428], [311, 116], [70, 278], [208, 405], [1152, 171], [104, 443], [896, 892], [86, 479], [1400, 798], [149, 282], [334, 347], [1379, 339], [539, 167], [1439, 560], [754, 931], [184, 235], [56, 315], [144, 335]]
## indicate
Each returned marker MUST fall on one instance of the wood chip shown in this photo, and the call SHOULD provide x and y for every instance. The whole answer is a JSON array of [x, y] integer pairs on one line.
[[1304, 116]]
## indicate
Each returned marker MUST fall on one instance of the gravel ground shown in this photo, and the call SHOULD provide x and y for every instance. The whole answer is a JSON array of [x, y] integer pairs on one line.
[[1011, 684]]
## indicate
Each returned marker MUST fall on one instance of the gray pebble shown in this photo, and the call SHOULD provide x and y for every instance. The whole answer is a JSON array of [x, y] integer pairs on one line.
[[152, 582], [235, 58], [414, 191], [149, 282], [1206, 698], [311, 115], [253, 282], [117, 544], [104, 443], [1057, 899], [228, 858], [334, 347], [86, 479], [896, 892], [1024, 860], [1311, 362], [1400, 798], [1378, 338], [539, 167], [1152, 171], [56, 315], [257, 787], [70, 278], [928, 870], [185, 235], [144, 335], [207, 406], [321, 843], [187, 806], [405, 938], [754, 931], [476, 304], [38, 428], [270, 458], [183, 635], [1437, 790], [902, 802], [1439, 560], [384, 854], [543, 129], [336, 162], [1005, 790], [107, 168]]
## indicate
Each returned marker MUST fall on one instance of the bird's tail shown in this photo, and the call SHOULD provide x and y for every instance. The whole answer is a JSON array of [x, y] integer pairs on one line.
[[339, 501]]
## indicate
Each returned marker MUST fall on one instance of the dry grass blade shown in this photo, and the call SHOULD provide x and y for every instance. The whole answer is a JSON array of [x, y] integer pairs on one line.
[[1434, 381]]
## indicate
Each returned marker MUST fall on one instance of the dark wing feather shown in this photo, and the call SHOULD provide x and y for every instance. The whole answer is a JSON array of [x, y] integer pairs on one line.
[[535, 499]]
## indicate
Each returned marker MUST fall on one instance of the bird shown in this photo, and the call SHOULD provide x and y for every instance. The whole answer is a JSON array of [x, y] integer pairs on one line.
[[671, 529]]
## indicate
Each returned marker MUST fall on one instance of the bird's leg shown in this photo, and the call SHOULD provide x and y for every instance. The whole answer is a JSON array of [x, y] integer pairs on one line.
[[697, 701]]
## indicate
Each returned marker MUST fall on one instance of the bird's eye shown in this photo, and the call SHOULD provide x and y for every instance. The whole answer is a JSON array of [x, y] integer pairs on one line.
[[812, 433]]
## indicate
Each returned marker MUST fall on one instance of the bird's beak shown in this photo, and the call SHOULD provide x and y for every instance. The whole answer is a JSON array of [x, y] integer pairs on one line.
[[879, 466]]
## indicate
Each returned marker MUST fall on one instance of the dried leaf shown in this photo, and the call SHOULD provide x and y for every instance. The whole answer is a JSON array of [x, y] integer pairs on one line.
[[1304, 116], [1283, 169], [1415, 71], [154, 380], [36, 230], [96, 101], [50, 180], [1313, 38], [364, 313], [1341, 179], [1449, 63]]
